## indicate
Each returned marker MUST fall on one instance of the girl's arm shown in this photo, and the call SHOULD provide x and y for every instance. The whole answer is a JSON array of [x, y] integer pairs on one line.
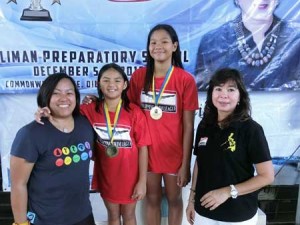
[[190, 209], [184, 173], [20, 171], [140, 188]]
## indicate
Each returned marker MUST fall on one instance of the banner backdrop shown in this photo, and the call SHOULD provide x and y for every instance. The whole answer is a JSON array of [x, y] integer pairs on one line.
[[39, 38]]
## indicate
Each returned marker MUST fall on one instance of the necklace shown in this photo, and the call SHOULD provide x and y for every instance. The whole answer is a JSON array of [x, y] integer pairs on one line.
[[254, 57], [66, 128]]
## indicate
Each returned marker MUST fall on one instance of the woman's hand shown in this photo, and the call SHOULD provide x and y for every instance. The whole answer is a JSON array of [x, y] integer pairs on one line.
[[183, 177], [89, 99], [139, 191], [42, 112], [215, 198], [190, 212]]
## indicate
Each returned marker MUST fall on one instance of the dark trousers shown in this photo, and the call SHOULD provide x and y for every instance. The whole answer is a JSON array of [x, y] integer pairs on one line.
[[87, 221]]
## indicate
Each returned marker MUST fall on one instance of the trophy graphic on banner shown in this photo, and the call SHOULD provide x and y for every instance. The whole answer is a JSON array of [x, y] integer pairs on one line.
[[36, 12]]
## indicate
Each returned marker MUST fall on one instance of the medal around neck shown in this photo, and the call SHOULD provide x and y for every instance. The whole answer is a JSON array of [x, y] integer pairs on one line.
[[112, 151], [156, 113]]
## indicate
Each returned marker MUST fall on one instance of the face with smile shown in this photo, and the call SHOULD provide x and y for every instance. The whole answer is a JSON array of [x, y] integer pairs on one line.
[[161, 46], [63, 99], [258, 9], [225, 98], [112, 84]]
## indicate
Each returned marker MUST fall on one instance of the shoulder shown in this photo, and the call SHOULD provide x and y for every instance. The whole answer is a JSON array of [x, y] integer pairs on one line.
[[137, 78], [181, 73], [185, 79], [31, 128], [135, 109], [289, 30], [222, 32], [81, 119], [138, 73], [249, 126], [83, 127], [31, 134], [88, 108]]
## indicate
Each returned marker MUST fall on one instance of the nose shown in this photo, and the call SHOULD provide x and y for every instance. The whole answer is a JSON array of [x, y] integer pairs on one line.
[[158, 45], [223, 94], [111, 83], [63, 96]]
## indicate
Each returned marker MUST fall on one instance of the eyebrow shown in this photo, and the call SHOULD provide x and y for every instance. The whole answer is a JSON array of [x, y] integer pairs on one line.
[[164, 38], [70, 89], [115, 78]]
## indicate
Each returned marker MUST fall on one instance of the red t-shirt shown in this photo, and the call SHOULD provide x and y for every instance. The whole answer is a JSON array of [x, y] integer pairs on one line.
[[166, 151], [115, 178]]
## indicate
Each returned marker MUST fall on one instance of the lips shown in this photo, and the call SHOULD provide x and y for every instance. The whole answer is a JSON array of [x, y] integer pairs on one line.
[[223, 104], [263, 6]]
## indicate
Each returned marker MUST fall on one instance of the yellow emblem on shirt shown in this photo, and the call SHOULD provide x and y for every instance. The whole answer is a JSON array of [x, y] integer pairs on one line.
[[231, 141]]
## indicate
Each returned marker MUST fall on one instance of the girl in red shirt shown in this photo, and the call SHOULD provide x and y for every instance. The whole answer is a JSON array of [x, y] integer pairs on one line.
[[168, 96]]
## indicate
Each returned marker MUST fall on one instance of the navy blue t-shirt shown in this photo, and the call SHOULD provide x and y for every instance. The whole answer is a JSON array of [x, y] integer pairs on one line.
[[58, 187]]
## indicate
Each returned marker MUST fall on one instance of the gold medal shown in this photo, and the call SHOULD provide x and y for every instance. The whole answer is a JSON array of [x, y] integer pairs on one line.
[[156, 113], [112, 151]]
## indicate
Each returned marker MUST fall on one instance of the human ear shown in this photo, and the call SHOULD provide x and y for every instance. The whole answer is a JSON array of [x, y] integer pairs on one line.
[[125, 85]]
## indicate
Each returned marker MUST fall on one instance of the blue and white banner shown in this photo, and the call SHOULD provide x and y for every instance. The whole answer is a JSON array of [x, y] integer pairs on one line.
[[41, 37]]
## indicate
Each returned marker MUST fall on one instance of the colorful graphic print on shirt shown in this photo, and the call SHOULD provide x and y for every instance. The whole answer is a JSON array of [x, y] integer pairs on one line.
[[67, 155]]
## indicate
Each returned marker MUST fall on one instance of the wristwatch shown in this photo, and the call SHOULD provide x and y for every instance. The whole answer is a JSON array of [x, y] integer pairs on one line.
[[233, 192]]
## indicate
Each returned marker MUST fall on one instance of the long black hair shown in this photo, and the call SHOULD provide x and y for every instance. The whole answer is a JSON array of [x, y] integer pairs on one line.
[[242, 110], [124, 97], [176, 56]]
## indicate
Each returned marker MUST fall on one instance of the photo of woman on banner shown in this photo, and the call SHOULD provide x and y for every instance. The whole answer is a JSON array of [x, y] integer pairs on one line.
[[265, 48]]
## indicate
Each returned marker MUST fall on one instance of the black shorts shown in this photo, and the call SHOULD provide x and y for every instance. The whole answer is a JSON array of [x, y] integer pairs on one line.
[[89, 220]]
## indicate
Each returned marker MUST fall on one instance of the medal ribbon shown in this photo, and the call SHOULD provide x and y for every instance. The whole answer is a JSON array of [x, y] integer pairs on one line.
[[156, 98], [111, 130]]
